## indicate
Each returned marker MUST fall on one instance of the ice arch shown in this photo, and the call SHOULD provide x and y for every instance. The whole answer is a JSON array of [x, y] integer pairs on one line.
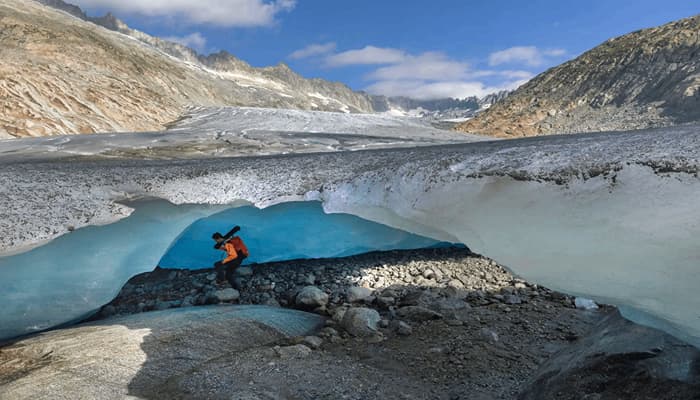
[[73, 275], [288, 231]]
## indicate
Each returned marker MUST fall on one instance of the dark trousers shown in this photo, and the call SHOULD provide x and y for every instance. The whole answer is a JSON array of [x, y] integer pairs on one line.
[[227, 271]]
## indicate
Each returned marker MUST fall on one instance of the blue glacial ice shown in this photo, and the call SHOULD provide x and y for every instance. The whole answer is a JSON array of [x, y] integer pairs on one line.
[[75, 274], [287, 231]]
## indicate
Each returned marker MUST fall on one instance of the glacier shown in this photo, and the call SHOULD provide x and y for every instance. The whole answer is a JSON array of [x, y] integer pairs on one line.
[[608, 216], [74, 275], [241, 131]]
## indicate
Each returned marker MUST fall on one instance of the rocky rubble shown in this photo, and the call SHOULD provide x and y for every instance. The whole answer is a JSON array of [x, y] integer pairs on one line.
[[407, 286], [425, 324]]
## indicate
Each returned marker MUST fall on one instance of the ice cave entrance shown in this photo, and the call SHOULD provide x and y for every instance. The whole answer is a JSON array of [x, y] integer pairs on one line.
[[72, 276]]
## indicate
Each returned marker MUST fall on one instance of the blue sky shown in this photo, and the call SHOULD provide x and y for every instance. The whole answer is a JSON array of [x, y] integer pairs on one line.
[[424, 49]]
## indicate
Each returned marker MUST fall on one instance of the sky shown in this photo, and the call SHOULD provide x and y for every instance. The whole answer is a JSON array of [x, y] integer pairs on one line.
[[421, 49]]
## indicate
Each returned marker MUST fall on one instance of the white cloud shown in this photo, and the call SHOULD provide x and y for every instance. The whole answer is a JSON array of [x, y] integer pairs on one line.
[[368, 55], [313, 50], [528, 55], [427, 66], [427, 75], [425, 90], [226, 13], [193, 40]]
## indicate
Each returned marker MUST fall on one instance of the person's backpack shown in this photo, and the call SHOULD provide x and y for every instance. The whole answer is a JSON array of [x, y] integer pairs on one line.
[[240, 247]]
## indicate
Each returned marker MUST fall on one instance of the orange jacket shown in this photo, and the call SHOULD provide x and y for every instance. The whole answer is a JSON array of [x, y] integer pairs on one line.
[[233, 247]]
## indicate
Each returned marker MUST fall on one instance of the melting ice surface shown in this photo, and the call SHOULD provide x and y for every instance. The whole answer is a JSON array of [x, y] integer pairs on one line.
[[77, 273]]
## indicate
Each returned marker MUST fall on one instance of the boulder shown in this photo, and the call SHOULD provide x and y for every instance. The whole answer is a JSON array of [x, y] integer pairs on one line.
[[311, 297], [356, 294], [361, 322], [227, 295], [617, 360], [313, 342]]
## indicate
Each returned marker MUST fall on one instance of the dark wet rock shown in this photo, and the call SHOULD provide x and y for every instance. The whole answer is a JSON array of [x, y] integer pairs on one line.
[[620, 359]]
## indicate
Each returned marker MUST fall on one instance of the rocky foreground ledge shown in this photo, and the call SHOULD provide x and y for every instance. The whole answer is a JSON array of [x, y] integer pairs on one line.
[[420, 324]]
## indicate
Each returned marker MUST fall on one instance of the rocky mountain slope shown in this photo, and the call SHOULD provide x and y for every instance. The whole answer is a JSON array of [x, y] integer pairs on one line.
[[643, 79], [63, 74]]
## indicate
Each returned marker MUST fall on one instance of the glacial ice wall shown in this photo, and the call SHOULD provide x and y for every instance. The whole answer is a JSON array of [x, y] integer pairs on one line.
[[75, 274], [79, 272], [287, 231], [609, 215]]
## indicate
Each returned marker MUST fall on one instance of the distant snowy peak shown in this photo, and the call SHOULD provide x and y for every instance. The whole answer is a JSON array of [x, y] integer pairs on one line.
[[445, 110]]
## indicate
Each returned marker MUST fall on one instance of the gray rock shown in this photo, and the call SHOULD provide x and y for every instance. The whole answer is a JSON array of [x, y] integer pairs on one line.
[[313, 342], [328, 332], [455, 283], [141, 355], [108, 311], [271, 302], [244, 271], [311, 297], [362, 322], [417, 313], [227, 295], [211, 277], [512, 299], [385, 302], [357, 294], [337, 314], [621, 360], [188, 301], [403, 328], [310, 279], [296, 351], [163, 305], [488, 335]]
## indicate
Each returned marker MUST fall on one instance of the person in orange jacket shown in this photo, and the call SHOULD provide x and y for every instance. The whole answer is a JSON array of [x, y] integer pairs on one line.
[[236, 252]]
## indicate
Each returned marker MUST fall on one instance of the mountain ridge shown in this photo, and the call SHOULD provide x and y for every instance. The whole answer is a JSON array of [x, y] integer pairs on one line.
[[62, 73], [647, 78]]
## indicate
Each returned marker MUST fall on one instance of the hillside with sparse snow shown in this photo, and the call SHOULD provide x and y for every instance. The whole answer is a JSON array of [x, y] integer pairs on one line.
[[61, 74]]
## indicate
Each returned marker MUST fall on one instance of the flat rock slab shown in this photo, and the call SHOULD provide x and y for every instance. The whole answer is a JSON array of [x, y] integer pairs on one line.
[[138, 355]]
